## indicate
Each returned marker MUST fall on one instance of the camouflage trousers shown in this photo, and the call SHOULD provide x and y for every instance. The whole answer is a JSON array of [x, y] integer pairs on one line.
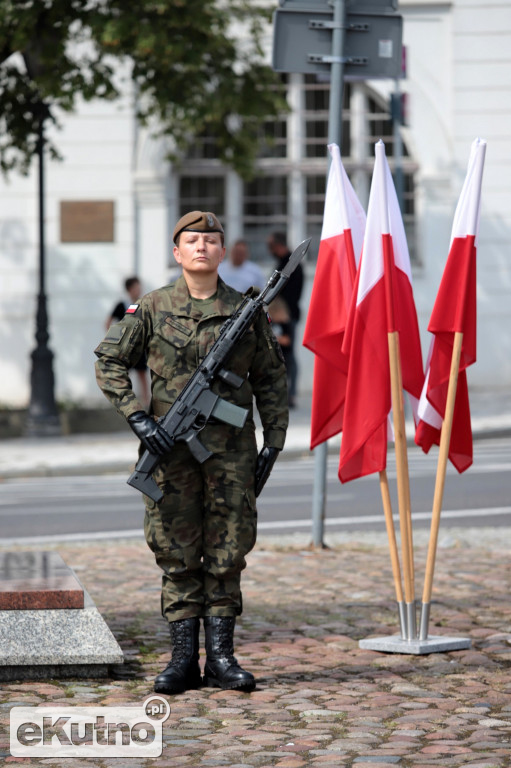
[[202, 530]]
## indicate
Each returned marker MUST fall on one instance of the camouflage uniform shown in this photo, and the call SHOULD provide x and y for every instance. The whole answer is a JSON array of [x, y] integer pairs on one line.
[[206, 522]]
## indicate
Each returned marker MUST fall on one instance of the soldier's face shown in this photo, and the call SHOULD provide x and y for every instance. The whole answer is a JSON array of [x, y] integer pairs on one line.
[[199, 252]]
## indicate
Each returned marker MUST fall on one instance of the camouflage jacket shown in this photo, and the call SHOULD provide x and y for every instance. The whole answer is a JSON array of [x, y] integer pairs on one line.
[[176, 332]]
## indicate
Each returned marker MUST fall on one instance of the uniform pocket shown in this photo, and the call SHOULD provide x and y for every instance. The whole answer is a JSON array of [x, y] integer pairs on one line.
[[170, 347], [175, 332], [153, 527], [250, 519], [120, 342], [115, 334]]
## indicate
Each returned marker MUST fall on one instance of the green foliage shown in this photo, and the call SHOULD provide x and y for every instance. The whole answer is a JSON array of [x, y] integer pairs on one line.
[[196, 65]]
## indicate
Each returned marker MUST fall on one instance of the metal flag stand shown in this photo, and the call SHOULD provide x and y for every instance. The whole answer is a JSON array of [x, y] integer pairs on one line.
[[416, 646]]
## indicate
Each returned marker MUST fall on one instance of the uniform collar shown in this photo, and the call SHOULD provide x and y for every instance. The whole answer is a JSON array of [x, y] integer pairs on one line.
[[225, 303]]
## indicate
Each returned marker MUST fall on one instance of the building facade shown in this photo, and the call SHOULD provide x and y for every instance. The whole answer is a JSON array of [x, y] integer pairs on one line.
[[112, 204]]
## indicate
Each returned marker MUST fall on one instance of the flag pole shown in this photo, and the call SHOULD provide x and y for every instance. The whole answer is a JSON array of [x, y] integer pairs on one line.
[[466, 222], [403, 483], [396, 386], [394, 556], [384, 483], [443, 455]]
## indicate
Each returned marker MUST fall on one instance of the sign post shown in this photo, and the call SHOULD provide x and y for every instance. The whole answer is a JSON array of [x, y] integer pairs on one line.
[[349, 40]]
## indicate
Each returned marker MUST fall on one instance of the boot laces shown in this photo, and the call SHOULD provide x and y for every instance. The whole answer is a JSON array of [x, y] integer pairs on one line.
[[181, 644], [225, 643]]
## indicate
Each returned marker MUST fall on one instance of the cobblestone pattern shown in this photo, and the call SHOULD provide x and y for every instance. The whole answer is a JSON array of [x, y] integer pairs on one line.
[[320, 700]]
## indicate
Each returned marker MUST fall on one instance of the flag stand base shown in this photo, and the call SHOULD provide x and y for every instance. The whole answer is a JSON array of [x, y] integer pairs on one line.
[[417, 646]]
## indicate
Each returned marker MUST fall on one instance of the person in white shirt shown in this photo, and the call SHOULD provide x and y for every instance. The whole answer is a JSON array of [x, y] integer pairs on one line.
[[238, 271]]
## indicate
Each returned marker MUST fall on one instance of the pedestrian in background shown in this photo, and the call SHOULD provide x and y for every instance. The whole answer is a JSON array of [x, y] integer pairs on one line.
[[206, 523], [239, 271], [291, 293], [279, 314]]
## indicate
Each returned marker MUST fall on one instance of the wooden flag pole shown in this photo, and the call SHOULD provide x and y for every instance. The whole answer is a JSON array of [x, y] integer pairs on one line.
[[394, 556], [396, 386], [443, 456], [403, 479], [403, 483]]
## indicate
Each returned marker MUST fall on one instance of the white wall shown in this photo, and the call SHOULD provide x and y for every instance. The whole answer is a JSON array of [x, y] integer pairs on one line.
[[82, 280]]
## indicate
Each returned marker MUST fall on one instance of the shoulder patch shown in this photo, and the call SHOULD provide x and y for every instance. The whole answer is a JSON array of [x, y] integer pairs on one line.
[[132, 309]]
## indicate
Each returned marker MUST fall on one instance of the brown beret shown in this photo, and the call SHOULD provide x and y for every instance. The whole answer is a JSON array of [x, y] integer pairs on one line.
[[197, 221]]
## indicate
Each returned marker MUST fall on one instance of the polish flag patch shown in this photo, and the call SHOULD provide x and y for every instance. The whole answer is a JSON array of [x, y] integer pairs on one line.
[[132, 309]]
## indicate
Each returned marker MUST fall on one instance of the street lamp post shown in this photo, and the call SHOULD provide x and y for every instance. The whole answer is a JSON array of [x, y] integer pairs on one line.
[[43, 418]]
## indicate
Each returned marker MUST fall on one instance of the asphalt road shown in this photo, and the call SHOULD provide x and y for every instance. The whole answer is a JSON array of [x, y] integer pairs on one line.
[[104, 506]]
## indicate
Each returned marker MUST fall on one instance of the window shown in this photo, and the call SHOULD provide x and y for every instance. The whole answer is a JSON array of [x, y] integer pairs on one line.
[[204, 147], [273, 137], [316, 105], [380, 126], [264, 210], [289, 189], [202, 193], [315, 187]]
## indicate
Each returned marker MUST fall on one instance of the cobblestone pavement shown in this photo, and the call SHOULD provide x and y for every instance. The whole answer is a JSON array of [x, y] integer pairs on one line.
[[320, 700]]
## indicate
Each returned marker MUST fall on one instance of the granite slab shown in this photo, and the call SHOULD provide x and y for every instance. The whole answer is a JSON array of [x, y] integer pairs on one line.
[[41, 643], [62, 640]]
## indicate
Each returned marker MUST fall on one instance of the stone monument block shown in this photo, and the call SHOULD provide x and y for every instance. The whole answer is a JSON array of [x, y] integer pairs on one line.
[[49, 625]]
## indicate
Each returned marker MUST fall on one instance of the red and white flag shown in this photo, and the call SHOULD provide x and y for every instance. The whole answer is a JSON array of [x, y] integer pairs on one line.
[[339, 252], [455, 311], [382, 303]]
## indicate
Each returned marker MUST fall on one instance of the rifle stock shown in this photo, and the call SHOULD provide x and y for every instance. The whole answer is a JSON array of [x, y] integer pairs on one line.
[[142, 477]]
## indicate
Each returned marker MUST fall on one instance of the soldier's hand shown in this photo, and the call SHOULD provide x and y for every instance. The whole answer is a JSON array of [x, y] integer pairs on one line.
[[151, 435], [265, 461]]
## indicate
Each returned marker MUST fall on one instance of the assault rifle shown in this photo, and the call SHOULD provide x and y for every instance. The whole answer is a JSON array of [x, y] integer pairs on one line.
[[197, 404]]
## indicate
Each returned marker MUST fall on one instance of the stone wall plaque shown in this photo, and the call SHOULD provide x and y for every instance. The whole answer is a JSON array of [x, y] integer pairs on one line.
[[87, 221]]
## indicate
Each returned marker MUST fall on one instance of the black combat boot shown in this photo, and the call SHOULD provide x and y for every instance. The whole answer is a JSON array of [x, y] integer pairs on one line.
[[182, 673], [222, 670]]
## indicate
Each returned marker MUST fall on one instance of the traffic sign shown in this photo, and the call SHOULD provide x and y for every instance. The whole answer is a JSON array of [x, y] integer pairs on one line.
[[302, 39]]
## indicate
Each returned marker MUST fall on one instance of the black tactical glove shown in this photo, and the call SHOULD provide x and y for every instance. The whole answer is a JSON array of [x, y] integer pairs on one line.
[[151, 435], [265, 461]]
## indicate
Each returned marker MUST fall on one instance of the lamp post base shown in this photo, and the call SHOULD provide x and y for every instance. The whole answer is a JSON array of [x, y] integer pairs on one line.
[[43, 426], [43, 416]]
